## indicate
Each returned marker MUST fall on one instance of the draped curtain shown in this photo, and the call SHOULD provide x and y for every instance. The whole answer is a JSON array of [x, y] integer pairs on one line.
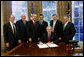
[[6, 10], [62, 9], [37, 8]]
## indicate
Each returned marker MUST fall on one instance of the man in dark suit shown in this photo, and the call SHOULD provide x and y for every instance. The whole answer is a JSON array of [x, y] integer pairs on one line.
[[57, 27], [9, 31], [68, 30], [42, 25], [22, 29], [33, 29], [49, 36]]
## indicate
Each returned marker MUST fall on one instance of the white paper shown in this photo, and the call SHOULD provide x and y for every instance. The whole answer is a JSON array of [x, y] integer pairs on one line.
[[78, 48], [52, 45], [42, 46], [47, 45]]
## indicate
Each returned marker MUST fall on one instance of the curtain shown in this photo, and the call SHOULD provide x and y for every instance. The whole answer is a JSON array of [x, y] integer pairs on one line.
[[37, 8], [5, 13], [62, 9]]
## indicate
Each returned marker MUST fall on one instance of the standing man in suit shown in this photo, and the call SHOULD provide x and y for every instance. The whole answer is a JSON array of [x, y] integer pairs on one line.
[[9, 31], [49, 36], [42, 25], [33, 29], [22, 29], [57, 27], [68, 30]]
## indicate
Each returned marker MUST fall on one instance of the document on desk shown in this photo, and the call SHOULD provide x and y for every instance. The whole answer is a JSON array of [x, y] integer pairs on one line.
[[42, 46], [47, 45], [52, 45]]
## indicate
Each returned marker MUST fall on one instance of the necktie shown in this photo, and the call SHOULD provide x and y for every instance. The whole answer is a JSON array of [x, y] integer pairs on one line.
[[13, 28], [49, 38], [34, 24], [64, 26]]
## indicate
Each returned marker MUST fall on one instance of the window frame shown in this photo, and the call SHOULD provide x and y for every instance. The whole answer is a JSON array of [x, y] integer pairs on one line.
[[75, 18]]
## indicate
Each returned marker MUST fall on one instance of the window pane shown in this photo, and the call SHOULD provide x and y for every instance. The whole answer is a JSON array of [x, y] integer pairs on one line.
[[76, 3], [81, 11], [77, 29], [76, 12], [81, 36], [81, 3], [76, 37], [49, 8], [19, 7], [78, 19]]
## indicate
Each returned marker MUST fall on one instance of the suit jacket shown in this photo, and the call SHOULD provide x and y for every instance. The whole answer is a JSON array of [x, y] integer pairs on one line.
[[53, 38], [33, 31], [69, 32], [22, 30], [42, 27], [9, 36], [58, 29]]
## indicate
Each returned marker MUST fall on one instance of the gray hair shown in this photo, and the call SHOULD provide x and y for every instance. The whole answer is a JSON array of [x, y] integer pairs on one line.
[[34, 14], [48, 27], [23, 14]]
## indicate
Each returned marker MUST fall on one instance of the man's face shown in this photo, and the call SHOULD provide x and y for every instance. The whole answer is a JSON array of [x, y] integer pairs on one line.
[[65, 19], [23, 17], [12, 18], [49, 30], [34, 17], [55, 17], [41, 17]]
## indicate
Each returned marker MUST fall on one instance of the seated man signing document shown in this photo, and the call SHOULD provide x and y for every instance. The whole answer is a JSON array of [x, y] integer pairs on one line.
[[49, 37]]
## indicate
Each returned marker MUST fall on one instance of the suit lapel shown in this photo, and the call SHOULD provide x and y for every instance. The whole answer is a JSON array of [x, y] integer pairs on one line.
[[32, 24], [43, 22], [10, 28], [22, 23], [52, 23], [66, 26], [55, 23], [47, 36], [51, 36]]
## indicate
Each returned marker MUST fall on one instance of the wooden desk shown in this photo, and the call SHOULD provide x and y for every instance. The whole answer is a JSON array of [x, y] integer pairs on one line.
[[31, 49]]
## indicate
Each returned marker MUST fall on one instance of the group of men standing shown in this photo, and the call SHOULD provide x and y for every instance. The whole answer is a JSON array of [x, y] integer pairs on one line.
[[34, 31]]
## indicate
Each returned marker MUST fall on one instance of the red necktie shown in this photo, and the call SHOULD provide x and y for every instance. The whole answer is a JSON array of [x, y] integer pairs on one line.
[[34, 24], [49, 38]]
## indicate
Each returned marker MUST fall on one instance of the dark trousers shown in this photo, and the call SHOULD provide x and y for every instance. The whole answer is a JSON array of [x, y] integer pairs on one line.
[[13, 45]]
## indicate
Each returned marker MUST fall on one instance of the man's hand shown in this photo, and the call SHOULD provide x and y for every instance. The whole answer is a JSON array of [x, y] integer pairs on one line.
[[19, 41], [30, 40], [40, 43], [38, 39], [49, 43], [60, 38], [7, 45]]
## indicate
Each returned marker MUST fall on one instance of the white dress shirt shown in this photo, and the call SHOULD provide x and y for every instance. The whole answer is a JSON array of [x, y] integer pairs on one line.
[[65, 25], [54, 22], [41, 21], [12, 25], [33, 21]]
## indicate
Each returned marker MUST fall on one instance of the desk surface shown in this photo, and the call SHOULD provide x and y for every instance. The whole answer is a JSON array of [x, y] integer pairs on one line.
[[31, 49]]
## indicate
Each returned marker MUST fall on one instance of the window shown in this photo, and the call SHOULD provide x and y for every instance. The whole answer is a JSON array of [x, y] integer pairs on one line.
[[49, 8], [19, 7], [77, 18]]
